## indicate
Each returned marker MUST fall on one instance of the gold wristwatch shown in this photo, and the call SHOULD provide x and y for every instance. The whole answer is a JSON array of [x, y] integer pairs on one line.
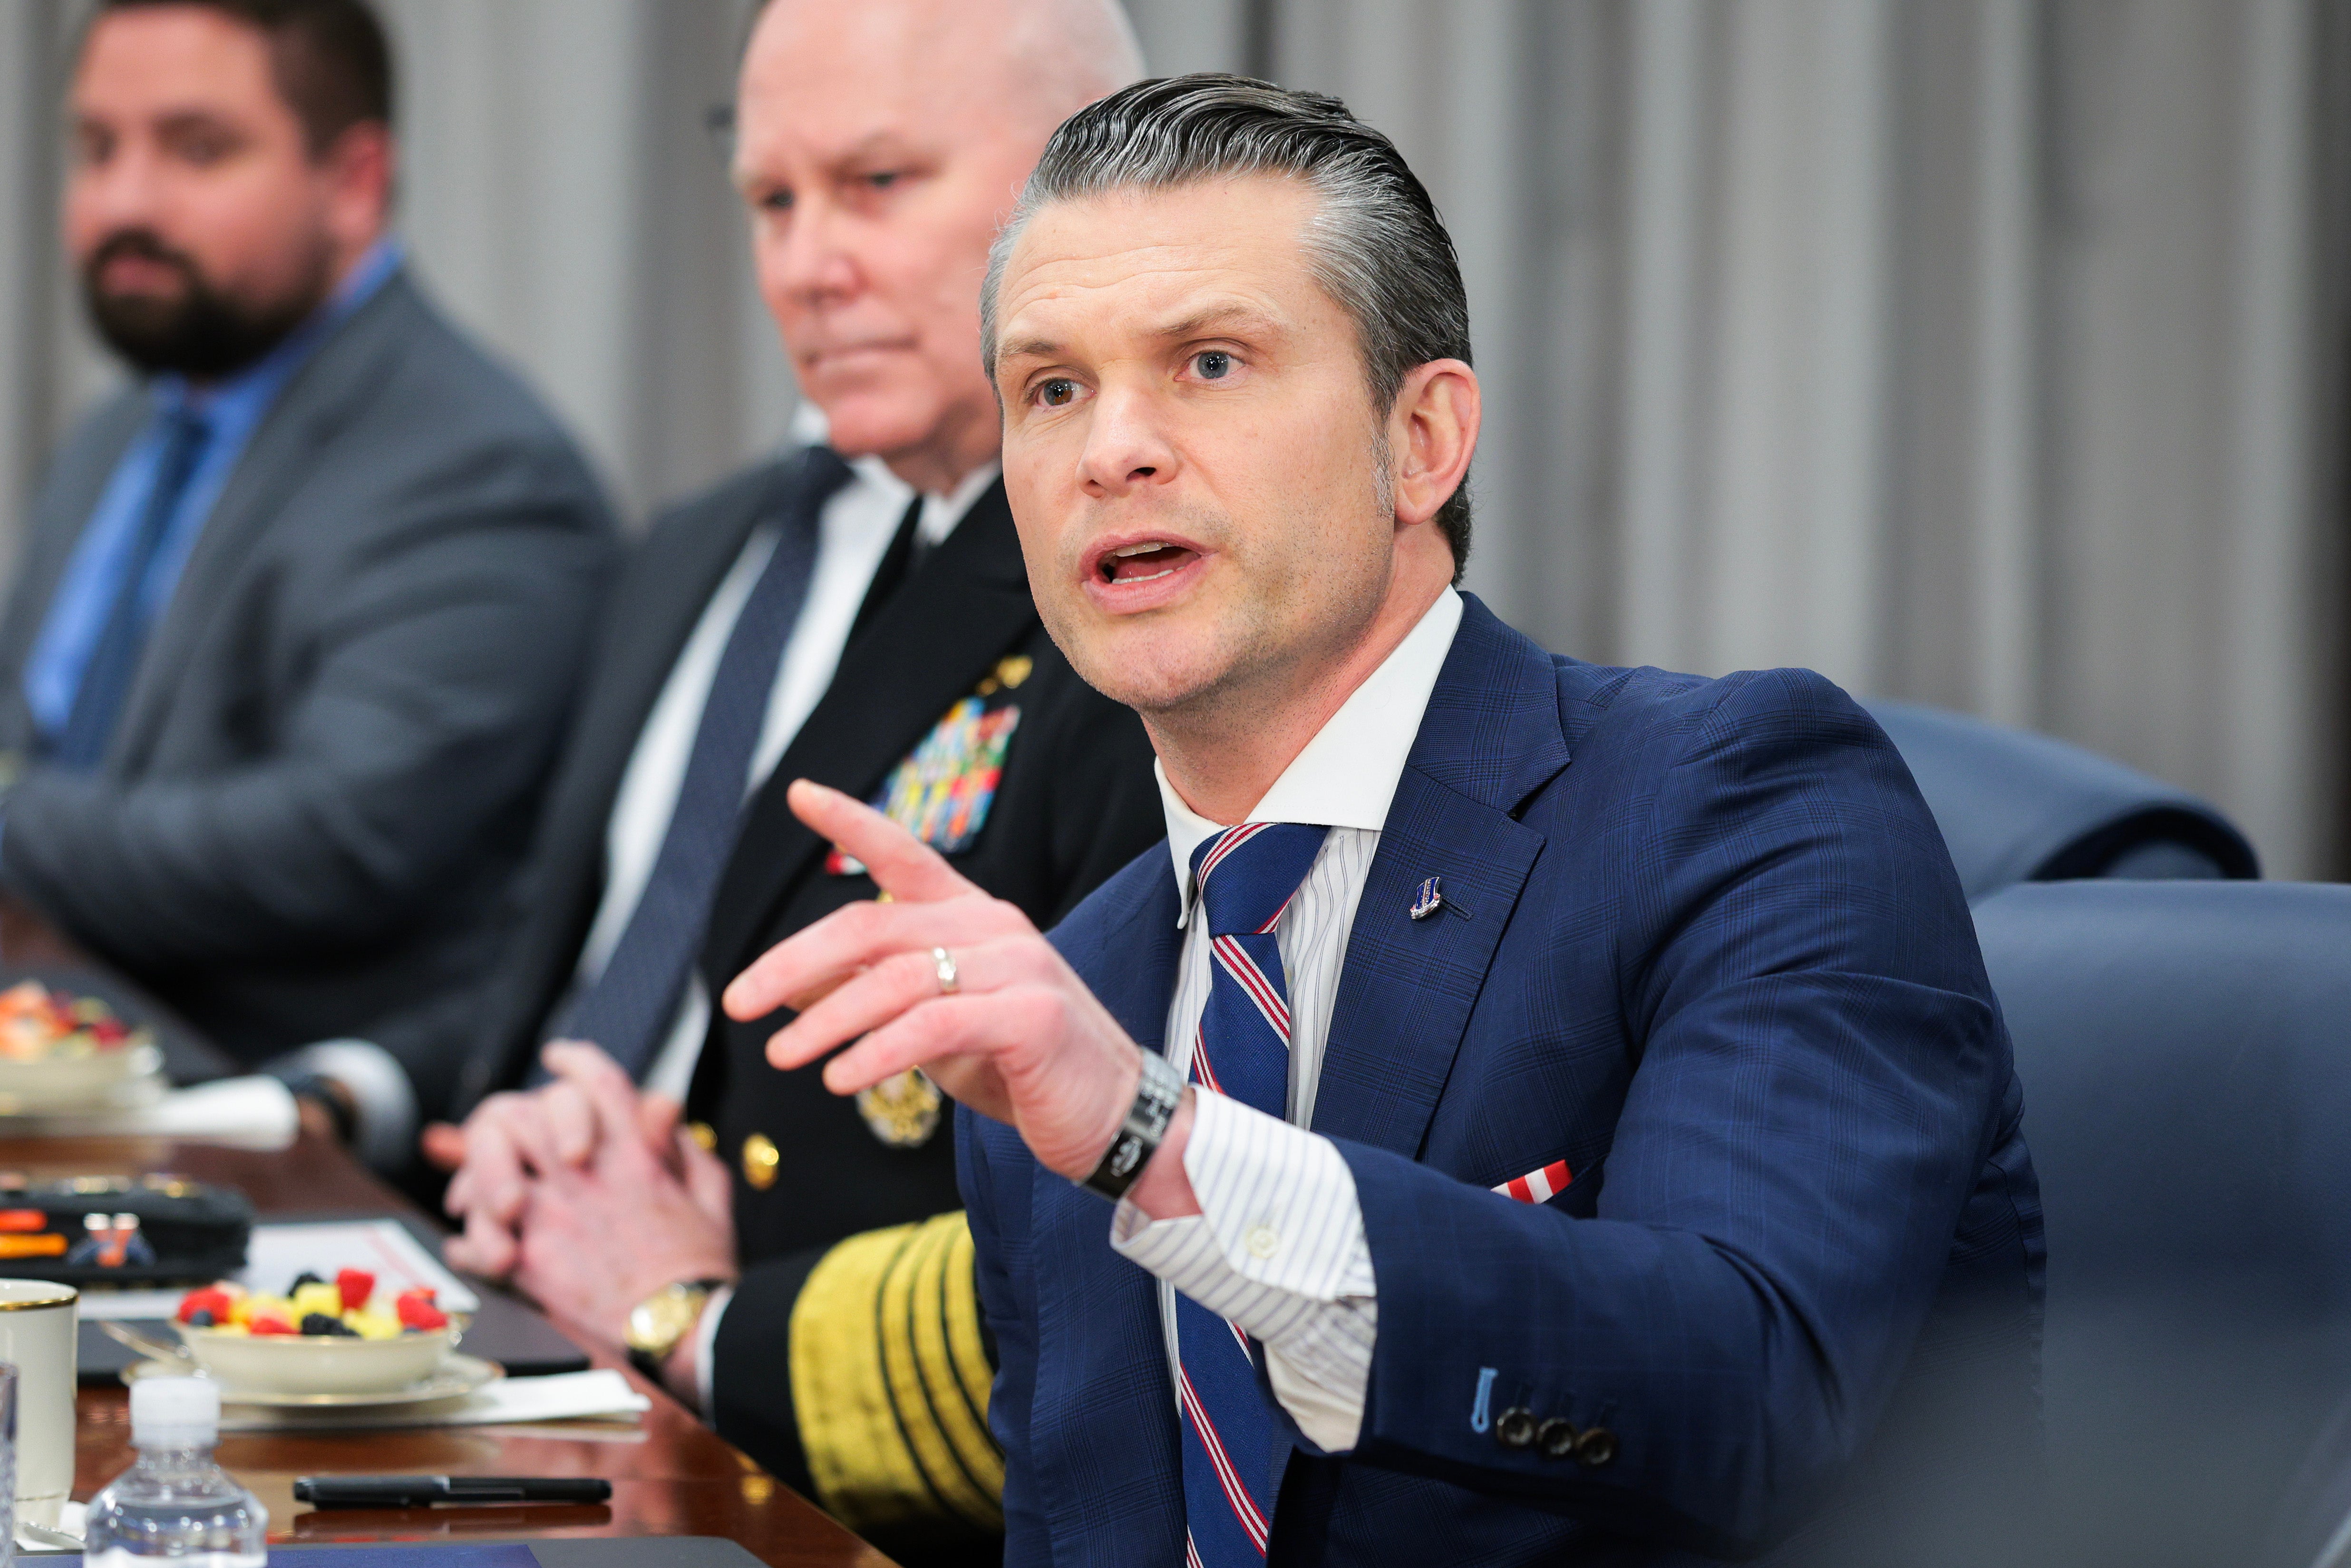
[[658, 1323]]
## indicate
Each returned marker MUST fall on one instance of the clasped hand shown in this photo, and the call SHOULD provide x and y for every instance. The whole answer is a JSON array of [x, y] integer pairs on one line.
[[583, 1193], [1020, 1038]]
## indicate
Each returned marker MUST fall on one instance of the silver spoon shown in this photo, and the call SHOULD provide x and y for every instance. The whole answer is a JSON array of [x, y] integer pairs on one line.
[[145, 1344]]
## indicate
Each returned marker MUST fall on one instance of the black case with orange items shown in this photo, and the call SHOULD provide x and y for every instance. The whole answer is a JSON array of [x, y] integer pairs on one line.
[[121, 1230]]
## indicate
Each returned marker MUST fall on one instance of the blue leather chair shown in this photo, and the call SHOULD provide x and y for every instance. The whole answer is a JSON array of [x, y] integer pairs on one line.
[[2314, 1526], [2185, 1048], [2019, 806]]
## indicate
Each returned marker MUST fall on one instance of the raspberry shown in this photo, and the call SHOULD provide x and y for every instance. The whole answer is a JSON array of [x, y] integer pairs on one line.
[[357, 1285], [211, 1300]]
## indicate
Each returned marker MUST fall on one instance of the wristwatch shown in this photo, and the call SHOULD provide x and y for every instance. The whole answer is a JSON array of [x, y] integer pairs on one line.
[[662, 1320], [1157, 1093], [334, 1097]]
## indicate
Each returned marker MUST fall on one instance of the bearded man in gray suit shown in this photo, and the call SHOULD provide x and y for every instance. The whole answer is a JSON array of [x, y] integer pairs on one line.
[[299, 614]]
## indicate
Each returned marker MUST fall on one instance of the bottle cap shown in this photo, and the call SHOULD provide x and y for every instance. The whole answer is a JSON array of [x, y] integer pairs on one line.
[[175, 1413]]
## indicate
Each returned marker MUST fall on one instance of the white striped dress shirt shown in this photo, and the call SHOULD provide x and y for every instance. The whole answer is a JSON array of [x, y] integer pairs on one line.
[[1278, 1245]]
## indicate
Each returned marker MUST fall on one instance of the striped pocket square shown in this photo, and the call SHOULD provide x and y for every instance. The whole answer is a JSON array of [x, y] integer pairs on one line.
[[1537, 1187]]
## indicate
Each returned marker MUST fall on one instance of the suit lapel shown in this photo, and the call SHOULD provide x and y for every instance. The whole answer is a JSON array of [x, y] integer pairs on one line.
[[1105, 1406], [322, 396], [1490, 740], [1134, 972], [64, 504], [664, 601], [940, 634]]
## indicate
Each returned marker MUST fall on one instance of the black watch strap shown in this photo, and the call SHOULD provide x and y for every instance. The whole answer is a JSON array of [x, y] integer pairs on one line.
[[1157, 1095], [331, 1097]]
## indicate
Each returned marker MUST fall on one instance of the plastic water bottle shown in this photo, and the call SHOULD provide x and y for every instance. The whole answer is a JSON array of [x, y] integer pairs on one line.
[[175, 1503]]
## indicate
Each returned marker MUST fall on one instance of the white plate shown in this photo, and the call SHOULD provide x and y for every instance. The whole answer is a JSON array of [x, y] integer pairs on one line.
[[107, 1080], [458, 1376]]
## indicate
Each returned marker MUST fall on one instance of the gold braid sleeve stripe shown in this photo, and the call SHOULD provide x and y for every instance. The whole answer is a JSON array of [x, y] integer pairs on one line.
[[890, 1382]]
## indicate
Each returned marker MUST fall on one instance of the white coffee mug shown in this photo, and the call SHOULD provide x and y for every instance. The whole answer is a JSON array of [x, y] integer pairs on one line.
[[37, 1337]]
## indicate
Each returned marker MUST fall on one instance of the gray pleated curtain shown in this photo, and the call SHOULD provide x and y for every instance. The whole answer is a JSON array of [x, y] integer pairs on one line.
[[1987, 352]]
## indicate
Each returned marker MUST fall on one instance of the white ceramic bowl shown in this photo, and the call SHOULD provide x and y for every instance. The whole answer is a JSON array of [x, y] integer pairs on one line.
[[64, 1082], [320, 1364]]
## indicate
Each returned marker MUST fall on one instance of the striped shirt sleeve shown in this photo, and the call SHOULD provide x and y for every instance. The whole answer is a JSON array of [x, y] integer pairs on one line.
[[1279, 1249]]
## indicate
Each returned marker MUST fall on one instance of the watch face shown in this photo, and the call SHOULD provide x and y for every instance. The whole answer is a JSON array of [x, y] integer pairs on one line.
[[661, 1320]]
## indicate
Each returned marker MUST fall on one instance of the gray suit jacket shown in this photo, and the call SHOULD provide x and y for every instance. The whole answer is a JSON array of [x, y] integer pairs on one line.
[[331, 759]]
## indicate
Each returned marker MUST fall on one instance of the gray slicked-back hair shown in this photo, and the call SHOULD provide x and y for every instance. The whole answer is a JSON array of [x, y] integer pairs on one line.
[[1377, 243]]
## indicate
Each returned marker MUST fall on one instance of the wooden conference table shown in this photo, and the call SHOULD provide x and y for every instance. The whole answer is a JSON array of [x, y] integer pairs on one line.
[[671, 1476]]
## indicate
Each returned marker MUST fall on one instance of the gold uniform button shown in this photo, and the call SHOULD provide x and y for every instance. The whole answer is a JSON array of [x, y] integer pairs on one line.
[[759, 1161], [1013, 669], [703, 1132]]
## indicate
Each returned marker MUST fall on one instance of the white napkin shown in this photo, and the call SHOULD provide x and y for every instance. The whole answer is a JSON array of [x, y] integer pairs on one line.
[[33, 1541], [510, 1401], [256, 1113]]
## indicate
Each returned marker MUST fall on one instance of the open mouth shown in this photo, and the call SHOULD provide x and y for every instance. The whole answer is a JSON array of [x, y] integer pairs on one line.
[[1145, 563]]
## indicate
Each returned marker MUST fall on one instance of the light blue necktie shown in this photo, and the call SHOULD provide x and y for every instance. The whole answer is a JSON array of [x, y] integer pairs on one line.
[[114, 659], [1233, 1446]]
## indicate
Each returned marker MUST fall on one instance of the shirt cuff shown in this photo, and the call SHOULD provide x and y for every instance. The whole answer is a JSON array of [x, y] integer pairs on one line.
[[379, 1088], [1279, 1249], [706, 1348]]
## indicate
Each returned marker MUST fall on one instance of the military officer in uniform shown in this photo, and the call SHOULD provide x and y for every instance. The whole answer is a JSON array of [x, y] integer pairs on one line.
[[855, 611]]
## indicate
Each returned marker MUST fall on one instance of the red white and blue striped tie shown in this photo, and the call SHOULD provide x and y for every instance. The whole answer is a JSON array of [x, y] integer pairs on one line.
[[1233, 1448]]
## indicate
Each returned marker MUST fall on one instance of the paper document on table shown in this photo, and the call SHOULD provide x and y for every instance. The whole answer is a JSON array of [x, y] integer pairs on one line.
[[508, 1402], [277, 1252]]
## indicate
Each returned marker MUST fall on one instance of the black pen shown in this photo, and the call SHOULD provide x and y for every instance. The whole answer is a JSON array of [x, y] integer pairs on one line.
[[423, 1491]]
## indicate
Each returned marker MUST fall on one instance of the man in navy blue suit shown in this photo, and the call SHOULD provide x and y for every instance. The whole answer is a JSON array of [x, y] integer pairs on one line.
[[1550, 1114]]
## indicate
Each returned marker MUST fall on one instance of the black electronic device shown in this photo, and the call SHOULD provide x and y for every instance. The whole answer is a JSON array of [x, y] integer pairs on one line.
[[135, 1232]]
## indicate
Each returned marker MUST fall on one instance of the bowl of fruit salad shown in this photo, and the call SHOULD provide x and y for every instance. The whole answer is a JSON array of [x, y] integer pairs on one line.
[[337, 1337], [62, 1051]]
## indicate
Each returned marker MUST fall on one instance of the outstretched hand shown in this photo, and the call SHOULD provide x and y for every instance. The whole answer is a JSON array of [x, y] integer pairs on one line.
[[1020, 1038]]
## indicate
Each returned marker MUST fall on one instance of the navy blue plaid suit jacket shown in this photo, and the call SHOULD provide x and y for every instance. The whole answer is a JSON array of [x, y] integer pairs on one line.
[[1703, 943]]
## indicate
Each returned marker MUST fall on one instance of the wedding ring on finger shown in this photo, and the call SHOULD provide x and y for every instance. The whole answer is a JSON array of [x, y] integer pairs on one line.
[[945, 961]]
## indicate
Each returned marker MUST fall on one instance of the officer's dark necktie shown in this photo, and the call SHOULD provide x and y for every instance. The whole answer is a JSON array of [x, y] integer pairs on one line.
[[114, 659], [629, 1008], [897, 564], [1232, 1445]]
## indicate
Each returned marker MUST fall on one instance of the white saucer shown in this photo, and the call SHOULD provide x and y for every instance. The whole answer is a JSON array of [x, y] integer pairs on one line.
[[458, 1376]]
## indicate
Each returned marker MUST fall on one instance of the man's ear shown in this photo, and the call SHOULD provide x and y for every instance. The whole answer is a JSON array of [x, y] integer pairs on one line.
[[1432, 434], [361, 164]]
